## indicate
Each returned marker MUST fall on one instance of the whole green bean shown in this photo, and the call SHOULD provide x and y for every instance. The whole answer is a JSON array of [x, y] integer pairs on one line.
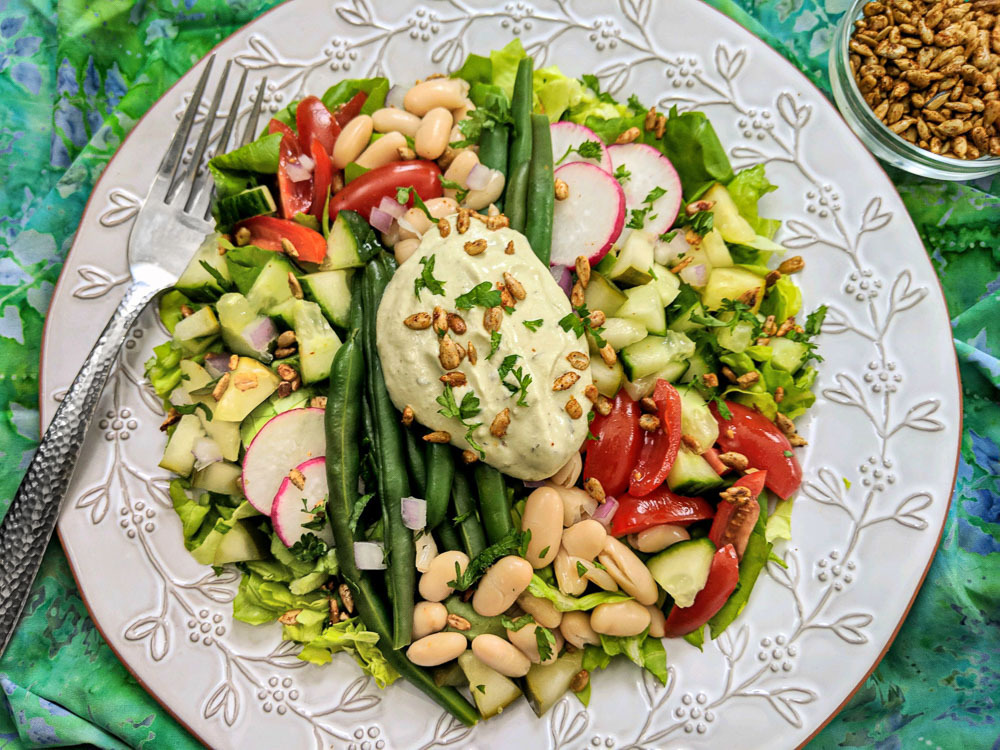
[[447, 537], [440, 472], [464, 505], [343, 421], [392, 479], [494, 507], [493, 151], [416, 461], [520, 146], [541, 190]]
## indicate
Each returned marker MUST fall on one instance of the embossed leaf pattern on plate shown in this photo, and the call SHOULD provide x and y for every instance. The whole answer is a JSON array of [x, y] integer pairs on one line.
[[839, 213]]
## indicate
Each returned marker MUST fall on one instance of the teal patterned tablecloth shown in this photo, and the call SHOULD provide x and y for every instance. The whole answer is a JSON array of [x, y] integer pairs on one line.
[[75, 77]]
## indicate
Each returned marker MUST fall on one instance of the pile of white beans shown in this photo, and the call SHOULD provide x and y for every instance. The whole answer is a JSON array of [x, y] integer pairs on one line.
[[558, 517], [430, 116]]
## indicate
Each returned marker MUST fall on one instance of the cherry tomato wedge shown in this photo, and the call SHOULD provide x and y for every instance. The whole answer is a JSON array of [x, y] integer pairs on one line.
[[367, 191], [277, 126], [755, 436], [723, 576], [267, 232], [351, 108], [315, 122], [659, 448], [660, 506], [734, 520], [322, 177], [296, 197], [611, 457]]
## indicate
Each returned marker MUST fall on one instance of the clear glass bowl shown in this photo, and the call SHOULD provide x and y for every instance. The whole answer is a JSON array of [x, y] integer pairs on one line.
[[882, 142]]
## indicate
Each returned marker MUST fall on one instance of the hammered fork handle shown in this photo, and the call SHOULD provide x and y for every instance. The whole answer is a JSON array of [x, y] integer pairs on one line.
[[28, 525]]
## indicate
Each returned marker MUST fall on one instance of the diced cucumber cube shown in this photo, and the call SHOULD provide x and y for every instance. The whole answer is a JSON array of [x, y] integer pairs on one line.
[[732, 284], [603, 295], [788, 355], [732, 226], [654, 353], [621, 332], [255, 201], [221, 477], [682, 569], [341, 247], [197, 325], [643, 305], [692, 474], [331, 290], [696, 418], [249, 385], [178, 456], [666, 283], [270, 288], [635, 259], [196, 282], [317, 341], [715, 249], [608, 379]]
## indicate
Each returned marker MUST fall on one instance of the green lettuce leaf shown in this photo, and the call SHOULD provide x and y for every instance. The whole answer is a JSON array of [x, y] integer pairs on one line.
[[555, 93], [475, 69], [642, 650], [595, 104], [258, 601], [344, 91], [594, 658], [219, 521], [798, 395], [691, 144], [697, 638], [245, 264], [746, 190], [779, 523], [783, 300], [754, 559], [239, 169], [191, 512], [163, 368], [566, 603], [504, 62], [170, 308], [352, 637]]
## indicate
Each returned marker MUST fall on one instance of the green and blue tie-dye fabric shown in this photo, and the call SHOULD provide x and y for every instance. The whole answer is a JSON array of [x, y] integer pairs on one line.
[[75, 77]]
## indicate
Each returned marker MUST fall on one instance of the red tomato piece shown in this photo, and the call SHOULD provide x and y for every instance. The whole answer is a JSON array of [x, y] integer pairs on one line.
[[734, 521], [755, 436], [611, 457], [277, 126], [267, 232], [660, 506], [296, 197], [723, 576], [350, 109], [315, 122], [367, 191], [659, 449], [322, 177]]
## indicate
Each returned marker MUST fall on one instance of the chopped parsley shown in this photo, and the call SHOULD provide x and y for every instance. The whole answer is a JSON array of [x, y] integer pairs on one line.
[[192, 408], [467, 410], [318, 514], [544, 552], [495, 110], [460, 192], [308, 548], [638, 216], [221, 280], [523, 380], [574, 322], [814, 322], [494, 343], [533, 325], [587, 149], [482, 294], [403, 195], [481, 689], [426, 278], [622, 174], [515, 625], [546, 642], [581, 569], [787, 454], [510, 544], [635, 104], [668, 236], [507, 365], [720, 404], [701, 222]]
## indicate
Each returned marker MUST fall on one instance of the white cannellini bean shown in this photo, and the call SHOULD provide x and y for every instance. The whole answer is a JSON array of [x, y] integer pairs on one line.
[[387, 119], [352, 141], [436, 648], [658, 538], [383, 151], [585, 539], [477, 199], [501, 655], [502, 583], [568, 578], [575, 628], [462, 112], [458, 170], [544, 611], [417, 219], [628, 571], [526, 641], [657, 622], [577, 504], [601, 577], [543, 518], [433, 584], [441, 207], [449, 93], [428, 617], [432, 135], [570, 472], [404, 249], [620, 618]]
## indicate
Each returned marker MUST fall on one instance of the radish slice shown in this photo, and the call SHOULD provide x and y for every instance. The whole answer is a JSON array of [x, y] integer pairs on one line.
[[288, 510], [567, 135], [590, 219], [286, 441], [649, 169]]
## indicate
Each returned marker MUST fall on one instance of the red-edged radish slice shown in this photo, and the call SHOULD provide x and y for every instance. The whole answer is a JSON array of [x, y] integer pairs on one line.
[[589, 220], [649, 169], [288, 512], [567, 135], [287, 440]]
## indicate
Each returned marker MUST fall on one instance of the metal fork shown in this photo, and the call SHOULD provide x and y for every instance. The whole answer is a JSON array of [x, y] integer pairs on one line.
[[167, 231]]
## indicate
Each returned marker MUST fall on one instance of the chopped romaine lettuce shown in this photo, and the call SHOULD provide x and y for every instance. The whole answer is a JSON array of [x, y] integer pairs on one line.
[[783, 300], [475, 69], [779, 523], [504, 62], [344, 91], [692, 146], [352, 637], [163, 368], [258, 601], [170, 308], [754, 559], [565, 603], [236, 171], [642, 650], [746, 190]]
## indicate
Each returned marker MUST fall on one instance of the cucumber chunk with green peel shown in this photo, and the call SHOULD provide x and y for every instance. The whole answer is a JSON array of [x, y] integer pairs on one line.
[[732, 284], [687, 304], [198, 324], [317, 341], [682, 569], [602, 294], [270, 289], [221, 477], [654, 353], [331, 290], [545, 684], [225, 434], [697, 366], [715, 249], [196, 282], [621, 332], [666, 283], [692, 474], [249, 384], [607, 379], [491, 691], [634, 259], [733, 227], [696, 418], [643, 305], [737, 338], [341, 247], [644, 386], [255, 201], [178, 456], [244, 330], [788, 355], [239, 544]]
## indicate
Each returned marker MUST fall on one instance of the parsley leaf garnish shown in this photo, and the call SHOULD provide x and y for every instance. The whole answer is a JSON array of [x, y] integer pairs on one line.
[[494, 343], [460, 192], [533, 325], [223, 283], [482, 294], [701, 222], [509, 544], [581, 569], [622, 174], [318, 514], [426, 278], [575, 322], [495, 110], [309, 547], [515, 625], [637, 216], [668, 236], [635, 104], [468, 409], [587, 149], [507, 365], [720, 404], [546, 642], [192, 408], [403, 194], [523, 380]]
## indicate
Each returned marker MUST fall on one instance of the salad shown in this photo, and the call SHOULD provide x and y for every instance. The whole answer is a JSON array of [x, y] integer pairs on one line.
[[486, 381]]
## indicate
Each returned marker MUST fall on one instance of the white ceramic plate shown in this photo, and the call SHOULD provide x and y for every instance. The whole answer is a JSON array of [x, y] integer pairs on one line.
[[883, 435]]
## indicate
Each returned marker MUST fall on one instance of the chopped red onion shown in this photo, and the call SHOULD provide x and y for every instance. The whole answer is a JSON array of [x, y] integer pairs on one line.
[[605, 512], [479, 177], [369, 556], [260, 333], [380, 220], [563, 277], [205, 451], [414, 512], [535, 485], [426, 550], [216, 364], [297, 172], [392, 207], [396, 96], [696, 274], [307, 161]]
